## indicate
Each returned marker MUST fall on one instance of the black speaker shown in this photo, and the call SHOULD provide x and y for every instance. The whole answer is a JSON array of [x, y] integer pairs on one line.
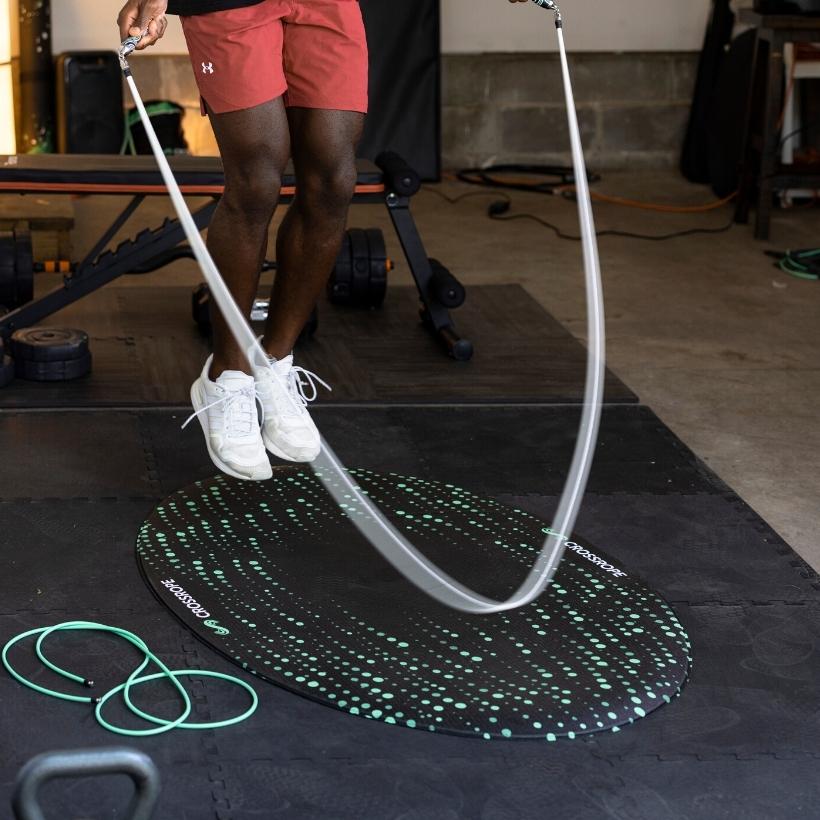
[[90, 117], [405, 109]]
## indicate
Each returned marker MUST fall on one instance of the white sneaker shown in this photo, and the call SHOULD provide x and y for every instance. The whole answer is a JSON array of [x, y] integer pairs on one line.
[[287, 428], [226, 409]]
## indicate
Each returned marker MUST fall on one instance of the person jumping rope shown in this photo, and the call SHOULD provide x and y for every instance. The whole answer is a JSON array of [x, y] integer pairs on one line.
[[278, 79]]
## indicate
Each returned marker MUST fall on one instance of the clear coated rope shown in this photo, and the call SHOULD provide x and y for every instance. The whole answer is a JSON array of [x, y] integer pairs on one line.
[[368, 519]]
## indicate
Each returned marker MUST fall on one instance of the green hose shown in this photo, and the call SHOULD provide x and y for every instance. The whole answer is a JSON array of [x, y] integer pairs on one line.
[[134, 679]]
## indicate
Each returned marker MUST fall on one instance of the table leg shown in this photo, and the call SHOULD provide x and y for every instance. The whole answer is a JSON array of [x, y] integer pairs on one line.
[[748, 175], [771, 134]]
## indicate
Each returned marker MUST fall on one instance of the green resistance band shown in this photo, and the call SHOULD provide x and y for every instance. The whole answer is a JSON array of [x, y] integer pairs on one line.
[[136, 678], [804, 264], [154, 109]]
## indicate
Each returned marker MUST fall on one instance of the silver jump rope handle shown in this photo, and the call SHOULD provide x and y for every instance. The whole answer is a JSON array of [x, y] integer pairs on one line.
[[550, 6], [128, 45]]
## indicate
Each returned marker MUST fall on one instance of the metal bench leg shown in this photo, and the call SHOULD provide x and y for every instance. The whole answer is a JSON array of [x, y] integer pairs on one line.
[[434, 315]]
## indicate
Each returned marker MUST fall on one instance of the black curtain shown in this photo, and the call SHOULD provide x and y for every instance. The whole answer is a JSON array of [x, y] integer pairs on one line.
[[405, 111], [694, 162]]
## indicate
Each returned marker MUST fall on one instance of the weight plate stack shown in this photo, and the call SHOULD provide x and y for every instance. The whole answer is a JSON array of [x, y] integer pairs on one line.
[[360, 276], [16, 267], [201, 308], [6, 366], [24, 264], [50, 354], [8, 273]]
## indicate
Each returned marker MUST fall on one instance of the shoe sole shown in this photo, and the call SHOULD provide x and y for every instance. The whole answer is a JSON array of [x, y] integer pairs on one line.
[[277, 451], [198, 404]]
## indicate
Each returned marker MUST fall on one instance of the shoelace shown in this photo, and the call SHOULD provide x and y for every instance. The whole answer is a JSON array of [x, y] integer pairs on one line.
[[237, 414], [297, 387]]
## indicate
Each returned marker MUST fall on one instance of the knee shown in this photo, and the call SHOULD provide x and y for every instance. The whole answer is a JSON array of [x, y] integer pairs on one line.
[[253, 191], [329, 190]]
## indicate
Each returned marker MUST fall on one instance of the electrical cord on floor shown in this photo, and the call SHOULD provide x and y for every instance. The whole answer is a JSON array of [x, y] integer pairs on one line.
[[558, 177], [563, 184], [136, 678], [659, 207], [499, 209]]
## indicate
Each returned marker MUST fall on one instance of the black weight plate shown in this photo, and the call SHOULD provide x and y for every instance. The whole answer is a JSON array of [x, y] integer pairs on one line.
[[8, 274], [60, 371], [361, 267], [201, 307], [24, 265], [339, 284], [377, 289], [49, 344], [6, 370]]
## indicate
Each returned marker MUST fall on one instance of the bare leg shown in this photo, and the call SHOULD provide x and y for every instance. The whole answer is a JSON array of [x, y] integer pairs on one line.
[[324, 155], [254, 144]]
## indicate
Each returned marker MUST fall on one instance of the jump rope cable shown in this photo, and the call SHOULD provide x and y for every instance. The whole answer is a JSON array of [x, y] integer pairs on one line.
[[367, 518], [135, 679]]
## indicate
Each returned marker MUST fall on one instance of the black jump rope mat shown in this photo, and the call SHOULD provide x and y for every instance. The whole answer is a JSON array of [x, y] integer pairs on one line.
[[147, 352], [293, 593], [742, 740]]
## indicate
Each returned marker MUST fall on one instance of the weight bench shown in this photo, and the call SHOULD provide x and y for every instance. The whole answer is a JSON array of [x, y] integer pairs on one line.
[[389, 181]]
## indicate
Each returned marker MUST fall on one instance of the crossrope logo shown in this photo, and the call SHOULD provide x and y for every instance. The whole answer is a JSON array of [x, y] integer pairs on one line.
[[207, 68], [187, 600], [590, 556], [217, 627]]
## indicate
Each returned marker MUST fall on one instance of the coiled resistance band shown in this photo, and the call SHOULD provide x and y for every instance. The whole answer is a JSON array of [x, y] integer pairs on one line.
[[331, 472], [136, 678]]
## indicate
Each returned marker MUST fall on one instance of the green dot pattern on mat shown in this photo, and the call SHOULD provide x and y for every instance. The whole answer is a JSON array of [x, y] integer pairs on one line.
[[274, 575]]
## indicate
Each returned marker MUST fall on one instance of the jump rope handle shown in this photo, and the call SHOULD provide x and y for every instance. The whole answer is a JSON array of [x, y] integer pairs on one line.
[[127, 46]]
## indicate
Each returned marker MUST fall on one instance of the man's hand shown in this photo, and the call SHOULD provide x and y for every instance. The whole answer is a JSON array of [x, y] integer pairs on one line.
[[145, 17]]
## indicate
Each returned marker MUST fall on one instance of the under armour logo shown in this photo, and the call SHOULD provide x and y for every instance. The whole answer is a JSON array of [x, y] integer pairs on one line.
[[207, 68]]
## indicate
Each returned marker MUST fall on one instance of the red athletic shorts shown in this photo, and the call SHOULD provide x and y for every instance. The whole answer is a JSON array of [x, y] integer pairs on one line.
[[314, 52]]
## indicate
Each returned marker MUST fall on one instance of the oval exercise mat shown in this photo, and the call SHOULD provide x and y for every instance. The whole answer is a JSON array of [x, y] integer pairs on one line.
[[274, 575]]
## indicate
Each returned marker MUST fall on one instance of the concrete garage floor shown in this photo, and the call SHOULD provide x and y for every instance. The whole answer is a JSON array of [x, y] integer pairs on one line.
[[719, 343]]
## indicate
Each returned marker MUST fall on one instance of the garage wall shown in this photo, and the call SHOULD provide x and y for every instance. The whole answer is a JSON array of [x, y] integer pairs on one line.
[[468, 26], [590, 25]]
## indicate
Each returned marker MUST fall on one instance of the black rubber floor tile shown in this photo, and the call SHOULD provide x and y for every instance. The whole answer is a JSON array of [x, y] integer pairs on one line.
[[754, 689], [187, 794], [71, 554], [563, 788], [32, 723], [753, 692], [181, 456], [386, 355], [696, 548], [375, 439], [649, 790], [741, 741], [371, 438], [74, 455], [529, 450], [418, 789], [114, 381]]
